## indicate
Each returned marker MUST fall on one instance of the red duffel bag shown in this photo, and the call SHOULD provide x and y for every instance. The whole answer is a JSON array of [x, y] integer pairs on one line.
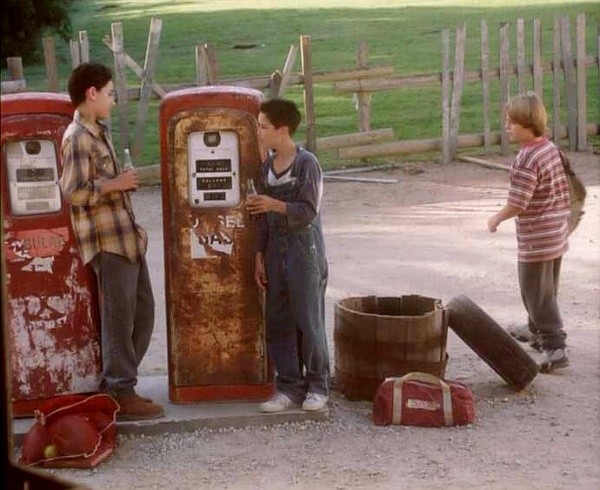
[[423, 399], [72, 431]]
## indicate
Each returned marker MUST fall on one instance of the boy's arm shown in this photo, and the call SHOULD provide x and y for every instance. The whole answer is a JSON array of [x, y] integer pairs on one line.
[[76, 180], [507, 212]]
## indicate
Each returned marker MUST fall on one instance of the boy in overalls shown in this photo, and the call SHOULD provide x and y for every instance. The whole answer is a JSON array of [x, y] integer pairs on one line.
[[290, 261]]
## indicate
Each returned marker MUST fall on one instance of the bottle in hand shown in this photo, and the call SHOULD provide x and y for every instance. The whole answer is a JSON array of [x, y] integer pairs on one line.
[[251, 191], [128, 164]]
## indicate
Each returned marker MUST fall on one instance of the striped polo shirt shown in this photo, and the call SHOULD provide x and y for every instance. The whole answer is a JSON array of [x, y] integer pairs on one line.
[[538, 186], [101, 223]]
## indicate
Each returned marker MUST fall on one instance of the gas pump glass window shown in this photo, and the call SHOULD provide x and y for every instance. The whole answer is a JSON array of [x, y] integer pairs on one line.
[[213, 164], [32, 175]]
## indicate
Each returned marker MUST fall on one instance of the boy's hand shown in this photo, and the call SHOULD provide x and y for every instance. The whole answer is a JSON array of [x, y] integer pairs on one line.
[[128, 179], [493, 223], [260, 203], [260, 273]]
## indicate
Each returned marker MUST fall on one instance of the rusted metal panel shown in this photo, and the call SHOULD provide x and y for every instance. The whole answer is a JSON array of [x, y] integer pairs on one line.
[[52, 303], [214, 309]]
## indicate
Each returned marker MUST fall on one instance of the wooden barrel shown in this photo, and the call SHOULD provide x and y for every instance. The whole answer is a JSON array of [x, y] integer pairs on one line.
[[376, 337]]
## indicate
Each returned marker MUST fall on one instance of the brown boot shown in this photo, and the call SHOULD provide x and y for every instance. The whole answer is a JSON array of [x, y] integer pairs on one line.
[[134, 407]]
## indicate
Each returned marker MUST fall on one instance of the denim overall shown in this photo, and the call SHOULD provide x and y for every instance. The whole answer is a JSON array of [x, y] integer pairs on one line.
[[297, 277]]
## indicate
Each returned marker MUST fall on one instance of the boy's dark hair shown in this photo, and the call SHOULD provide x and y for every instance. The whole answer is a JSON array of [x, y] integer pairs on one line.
[[282, 112], [87, 75]]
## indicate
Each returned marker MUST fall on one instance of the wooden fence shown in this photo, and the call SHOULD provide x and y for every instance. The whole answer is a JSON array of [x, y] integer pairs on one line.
[[362, 82]]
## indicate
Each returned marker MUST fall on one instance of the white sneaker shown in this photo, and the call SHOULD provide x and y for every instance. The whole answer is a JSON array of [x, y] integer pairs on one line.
[[314, 402], [278, 403]]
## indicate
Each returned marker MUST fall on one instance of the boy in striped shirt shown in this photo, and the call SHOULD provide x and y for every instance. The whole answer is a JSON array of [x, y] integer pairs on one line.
[[538, 199]]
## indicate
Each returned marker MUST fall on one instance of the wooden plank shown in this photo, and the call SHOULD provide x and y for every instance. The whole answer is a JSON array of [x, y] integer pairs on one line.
[[369, 168], [359, 179], [570, 83], [485, 87], [309, 101], [484, 163], [286, 74], [378, 84], [120, 81], [556, 79], [75, 55], [354, 139], [201, 66], [355, 75], [363, 98], [407, 147], [581, 85], [521, 84], [504, 86], [213, 64], [457, 87], [446, 156], [84, 47], [139, 72], [50, 63], [146, 87], [538, 69], [14, 86]]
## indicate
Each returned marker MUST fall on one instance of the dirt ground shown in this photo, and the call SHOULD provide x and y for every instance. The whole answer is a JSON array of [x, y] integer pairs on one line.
[[425, 234]]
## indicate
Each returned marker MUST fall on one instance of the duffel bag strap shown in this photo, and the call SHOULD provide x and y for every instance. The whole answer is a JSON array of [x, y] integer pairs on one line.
[[424, 378]]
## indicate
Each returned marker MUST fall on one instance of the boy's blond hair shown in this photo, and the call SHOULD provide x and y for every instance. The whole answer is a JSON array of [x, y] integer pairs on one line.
[[528, 110]]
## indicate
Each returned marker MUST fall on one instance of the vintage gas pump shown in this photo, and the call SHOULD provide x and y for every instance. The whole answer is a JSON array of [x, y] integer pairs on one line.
[[52, 306], [216, 336]]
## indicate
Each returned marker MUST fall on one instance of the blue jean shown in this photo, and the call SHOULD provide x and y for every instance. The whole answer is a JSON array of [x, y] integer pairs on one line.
[[297, 278], [127, 315]]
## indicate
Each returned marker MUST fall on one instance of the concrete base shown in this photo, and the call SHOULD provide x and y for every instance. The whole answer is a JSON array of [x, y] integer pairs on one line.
[[187, 418]]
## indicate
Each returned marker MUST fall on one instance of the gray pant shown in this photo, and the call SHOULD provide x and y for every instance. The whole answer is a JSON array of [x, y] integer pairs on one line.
[[127, 314], [539, 291]]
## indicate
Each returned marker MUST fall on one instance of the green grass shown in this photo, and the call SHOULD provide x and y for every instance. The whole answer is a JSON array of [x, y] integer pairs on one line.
[[404, 33]]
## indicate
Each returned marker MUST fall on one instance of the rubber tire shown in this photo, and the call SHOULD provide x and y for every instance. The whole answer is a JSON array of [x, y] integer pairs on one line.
[[491, 342]]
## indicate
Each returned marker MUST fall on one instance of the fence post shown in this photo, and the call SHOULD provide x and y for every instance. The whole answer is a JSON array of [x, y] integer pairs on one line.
[[309, 101], [213, 64], [581, 85], [570, 83], [446, 157], [538, 70], [84, 47], [521, 85], [485, 87], [146, 87], [50, 62], [275, 84], [457, 87], [118, 50], [201, 65], [75, 55], [504, 86], [364, 98], [556, 81]]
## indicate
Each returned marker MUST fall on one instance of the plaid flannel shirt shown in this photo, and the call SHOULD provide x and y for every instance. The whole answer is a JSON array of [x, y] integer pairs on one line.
[[102, 223]]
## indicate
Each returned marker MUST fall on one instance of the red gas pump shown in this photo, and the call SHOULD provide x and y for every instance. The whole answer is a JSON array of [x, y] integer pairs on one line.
[[215, 326], [52, 301]]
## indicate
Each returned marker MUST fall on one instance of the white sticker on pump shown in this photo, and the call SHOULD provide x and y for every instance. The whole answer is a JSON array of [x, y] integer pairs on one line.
[[213, 169], [32, 175]]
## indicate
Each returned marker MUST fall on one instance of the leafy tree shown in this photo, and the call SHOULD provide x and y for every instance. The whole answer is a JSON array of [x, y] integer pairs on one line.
[[24, 22]]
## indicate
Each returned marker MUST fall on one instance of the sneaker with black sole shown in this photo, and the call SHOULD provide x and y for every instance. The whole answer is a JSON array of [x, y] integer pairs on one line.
[[554, 359]]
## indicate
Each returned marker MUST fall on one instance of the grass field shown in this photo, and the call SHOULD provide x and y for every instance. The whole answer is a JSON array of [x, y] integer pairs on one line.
[[404, 33]]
